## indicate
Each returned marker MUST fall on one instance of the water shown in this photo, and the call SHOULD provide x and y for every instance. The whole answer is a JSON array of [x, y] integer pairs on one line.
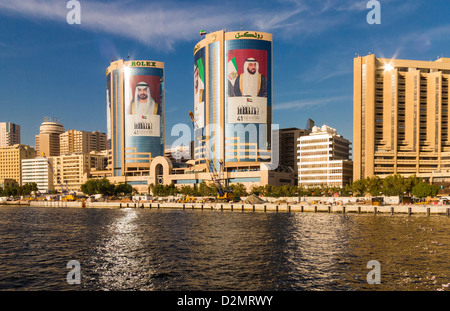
[[171, 250]]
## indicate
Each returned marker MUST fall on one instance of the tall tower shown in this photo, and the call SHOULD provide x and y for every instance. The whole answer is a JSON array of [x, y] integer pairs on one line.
[[233, 99], [135, 115]]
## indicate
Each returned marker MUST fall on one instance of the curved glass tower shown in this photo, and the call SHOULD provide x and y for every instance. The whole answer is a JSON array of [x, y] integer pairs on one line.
[[135, 115], [233, 98]]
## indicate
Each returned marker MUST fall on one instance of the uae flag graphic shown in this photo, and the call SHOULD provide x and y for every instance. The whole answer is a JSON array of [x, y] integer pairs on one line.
[[232, 70]]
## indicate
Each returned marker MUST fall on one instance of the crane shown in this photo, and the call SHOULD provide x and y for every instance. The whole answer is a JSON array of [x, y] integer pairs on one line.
[[216, 176]]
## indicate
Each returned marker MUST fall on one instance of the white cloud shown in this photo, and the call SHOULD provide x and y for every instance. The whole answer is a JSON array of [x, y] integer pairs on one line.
[[316, 102], [162, 24]]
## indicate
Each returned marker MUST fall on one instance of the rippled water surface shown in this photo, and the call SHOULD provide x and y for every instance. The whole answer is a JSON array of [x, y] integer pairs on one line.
[[148, 249]]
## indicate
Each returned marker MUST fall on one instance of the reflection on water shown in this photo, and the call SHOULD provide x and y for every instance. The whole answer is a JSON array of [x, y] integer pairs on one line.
[[147, 249]]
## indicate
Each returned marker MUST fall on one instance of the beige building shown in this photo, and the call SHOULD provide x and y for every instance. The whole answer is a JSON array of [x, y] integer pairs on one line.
[[70, 171], [9, 134], [324, 159], [11, 161], [47, 142], [73, 141], [401, 117]]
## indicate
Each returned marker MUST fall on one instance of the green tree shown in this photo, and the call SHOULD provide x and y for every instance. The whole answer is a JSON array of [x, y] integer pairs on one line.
[[90, 187], [374, 185], [123, 189], [393, 185], [359, 187], [423, 189], [239, 190]]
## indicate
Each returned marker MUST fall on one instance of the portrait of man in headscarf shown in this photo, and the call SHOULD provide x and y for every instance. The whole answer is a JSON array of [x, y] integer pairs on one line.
[[251, 82], [143, 103]]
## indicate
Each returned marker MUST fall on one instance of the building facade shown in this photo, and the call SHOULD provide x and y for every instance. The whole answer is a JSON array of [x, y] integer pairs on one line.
[[288, 141], [38, 170], [11, 161], [233, 100], [401, 117], [135, 116], [70, 171], [73, 141], [324, 159], [48, 139], [9, 134]]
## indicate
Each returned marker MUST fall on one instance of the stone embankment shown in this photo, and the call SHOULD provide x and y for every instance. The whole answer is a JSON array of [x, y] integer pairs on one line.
[[243, 207]]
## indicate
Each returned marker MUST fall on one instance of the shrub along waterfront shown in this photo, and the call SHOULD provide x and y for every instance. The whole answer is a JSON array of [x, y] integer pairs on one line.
[[392, 185]]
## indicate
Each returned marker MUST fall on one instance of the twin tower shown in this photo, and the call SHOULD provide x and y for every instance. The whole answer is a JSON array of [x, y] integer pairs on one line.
[[232, 109]]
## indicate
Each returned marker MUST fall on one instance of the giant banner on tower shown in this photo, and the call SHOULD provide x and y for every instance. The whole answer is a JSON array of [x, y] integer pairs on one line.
[[247, 79], [142, 103]]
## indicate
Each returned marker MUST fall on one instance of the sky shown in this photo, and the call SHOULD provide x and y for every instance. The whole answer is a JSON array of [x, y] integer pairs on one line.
[[49, 67]]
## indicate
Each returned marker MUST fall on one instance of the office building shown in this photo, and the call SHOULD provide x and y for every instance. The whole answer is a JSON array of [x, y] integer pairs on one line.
[[38, 170], [135, 116], [74, 141], [11, 161], [70, 171], [401, 117], [48, 140], [288, 140], [9, 134], [324, 159]]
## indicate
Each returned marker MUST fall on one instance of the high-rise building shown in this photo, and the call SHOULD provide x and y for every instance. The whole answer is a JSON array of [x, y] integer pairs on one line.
[[324, 158], [11, 161], [9, 134], [47, 142], [233, 99], [38, 171], [288, 140], [135, 115], [401, 117], [73, 141]]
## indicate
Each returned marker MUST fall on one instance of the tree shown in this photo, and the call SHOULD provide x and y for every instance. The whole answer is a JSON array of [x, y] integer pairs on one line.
[[90, 187], [374, 185], [393, 185], [423, 189], [123, 189], [239, 190], [359, 187]]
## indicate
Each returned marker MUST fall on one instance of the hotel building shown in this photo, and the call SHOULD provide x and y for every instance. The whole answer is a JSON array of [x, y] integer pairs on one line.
[[9, 134], [401, 117], [324, 159], [47, 142], [73, 141], [11, 161], [38, 170]]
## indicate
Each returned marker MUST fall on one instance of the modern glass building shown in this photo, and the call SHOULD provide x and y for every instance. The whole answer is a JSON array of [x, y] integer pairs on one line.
[[233, 99], [135, 115]]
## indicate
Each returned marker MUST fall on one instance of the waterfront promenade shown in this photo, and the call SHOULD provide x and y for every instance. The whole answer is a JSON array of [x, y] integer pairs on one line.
[[245, 207]]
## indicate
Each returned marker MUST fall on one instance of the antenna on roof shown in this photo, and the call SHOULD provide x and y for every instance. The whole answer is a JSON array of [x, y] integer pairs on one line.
[[241, 23]]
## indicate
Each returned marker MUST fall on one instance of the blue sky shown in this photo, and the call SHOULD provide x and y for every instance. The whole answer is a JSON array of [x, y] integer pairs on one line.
[[51, 68]]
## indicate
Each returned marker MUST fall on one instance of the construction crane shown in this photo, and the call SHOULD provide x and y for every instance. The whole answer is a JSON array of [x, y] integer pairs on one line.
[[223, 195]]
